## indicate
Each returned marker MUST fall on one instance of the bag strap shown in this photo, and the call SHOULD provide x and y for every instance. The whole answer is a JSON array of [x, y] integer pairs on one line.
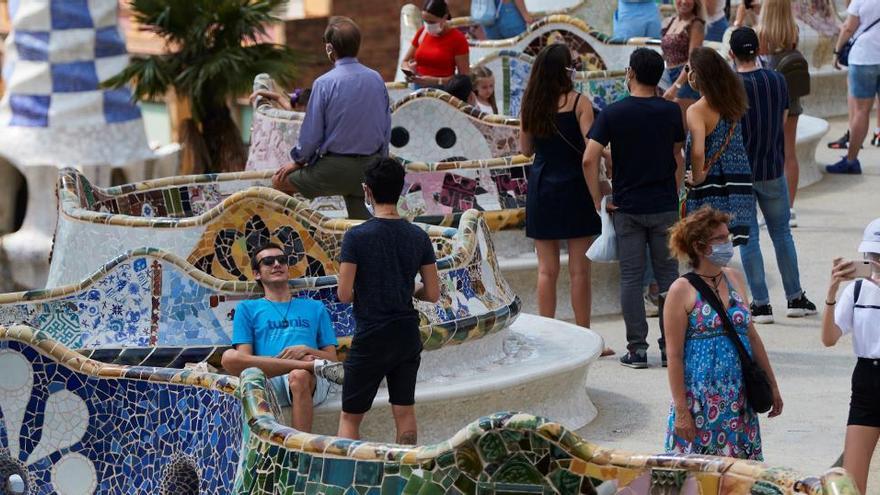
[[866, 29], [714, 158], [856, 291], [573, 147], [710, 297]]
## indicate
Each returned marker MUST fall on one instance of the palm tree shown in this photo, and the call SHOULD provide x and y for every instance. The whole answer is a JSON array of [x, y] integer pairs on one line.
[[213, 52]]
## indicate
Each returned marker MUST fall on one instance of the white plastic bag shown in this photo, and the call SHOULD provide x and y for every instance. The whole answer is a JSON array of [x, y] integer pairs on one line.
[[604, 248]]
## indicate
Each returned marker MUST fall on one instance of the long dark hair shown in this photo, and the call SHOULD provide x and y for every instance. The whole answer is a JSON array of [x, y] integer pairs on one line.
[[721, 86], [549, 79]]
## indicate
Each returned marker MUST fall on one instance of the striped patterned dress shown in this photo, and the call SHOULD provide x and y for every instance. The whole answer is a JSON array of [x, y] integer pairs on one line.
[[728, 185]]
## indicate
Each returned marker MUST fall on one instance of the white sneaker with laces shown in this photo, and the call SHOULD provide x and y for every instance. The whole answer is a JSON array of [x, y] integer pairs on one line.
[[792, 222], [330, 370]]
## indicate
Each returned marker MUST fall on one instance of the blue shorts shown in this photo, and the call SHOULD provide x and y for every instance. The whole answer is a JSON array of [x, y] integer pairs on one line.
[[281, 386], [509, 23], [864, 81], [686, 91], [715, 31]]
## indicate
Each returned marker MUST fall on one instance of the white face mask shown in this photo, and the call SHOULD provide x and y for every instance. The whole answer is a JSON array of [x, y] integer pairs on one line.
[[434, 29]]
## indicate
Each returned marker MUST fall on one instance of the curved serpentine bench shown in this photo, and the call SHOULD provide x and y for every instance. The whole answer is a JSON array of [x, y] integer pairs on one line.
[[74, 425]]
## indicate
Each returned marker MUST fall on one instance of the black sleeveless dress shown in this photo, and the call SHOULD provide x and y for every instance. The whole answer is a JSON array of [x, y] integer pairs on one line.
[[558, 205]]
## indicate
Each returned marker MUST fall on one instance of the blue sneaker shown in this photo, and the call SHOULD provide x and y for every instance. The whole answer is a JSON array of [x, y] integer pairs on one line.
[[845, 166]]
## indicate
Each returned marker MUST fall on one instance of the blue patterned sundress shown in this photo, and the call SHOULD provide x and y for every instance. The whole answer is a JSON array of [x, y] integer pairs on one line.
[[728, 186], [726, 425]]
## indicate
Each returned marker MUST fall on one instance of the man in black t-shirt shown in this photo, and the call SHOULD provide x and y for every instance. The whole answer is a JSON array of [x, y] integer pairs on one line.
[[646, 135], [378, 264]]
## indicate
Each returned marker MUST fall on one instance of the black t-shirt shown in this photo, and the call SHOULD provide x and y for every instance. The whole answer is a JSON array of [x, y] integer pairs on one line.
[[642, 133], [388, 254]]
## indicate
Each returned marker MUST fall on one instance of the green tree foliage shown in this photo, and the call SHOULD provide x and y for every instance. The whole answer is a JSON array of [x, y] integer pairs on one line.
[[214, 49]]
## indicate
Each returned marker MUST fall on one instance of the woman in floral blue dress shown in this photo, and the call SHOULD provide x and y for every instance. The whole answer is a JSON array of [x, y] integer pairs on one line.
[[710, 413], [715, 152]]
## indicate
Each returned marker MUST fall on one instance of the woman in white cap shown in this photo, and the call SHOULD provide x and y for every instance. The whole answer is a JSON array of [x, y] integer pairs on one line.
[[857, 311]]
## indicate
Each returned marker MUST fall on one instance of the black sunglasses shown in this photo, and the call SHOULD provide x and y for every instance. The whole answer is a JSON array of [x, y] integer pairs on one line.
[[270, 260]]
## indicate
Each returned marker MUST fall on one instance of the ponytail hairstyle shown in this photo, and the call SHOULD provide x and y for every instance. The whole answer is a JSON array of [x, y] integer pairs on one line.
[[550, 78]]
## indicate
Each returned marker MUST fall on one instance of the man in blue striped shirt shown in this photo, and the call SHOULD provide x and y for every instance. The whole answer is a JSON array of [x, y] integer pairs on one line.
[[763, 133]]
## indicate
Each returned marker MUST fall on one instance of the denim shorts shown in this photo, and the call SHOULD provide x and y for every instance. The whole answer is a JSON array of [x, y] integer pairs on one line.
[[686, 91], [281, 386], [864, 81]]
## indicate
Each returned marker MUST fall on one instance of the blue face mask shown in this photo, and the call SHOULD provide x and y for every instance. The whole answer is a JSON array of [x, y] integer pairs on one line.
[[721, 253]]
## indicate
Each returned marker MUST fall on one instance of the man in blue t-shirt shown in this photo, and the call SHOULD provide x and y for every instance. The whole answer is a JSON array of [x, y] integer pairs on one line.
[[379, 261], [290, 339], [763, 133], [646, 135]]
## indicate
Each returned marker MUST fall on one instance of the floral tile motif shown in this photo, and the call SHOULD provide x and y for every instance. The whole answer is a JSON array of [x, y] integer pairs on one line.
[[68, 432]]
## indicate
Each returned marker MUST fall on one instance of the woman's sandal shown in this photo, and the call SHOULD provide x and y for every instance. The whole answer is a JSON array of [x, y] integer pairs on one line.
[[875, 141], [841, 144]]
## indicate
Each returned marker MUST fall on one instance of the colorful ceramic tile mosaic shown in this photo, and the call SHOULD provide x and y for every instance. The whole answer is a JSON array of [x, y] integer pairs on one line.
[[507, 453], [75, 426], [149, 305]]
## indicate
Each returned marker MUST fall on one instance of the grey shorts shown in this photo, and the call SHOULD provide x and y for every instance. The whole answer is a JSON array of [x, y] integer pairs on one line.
[[281, 386], [336, 175]]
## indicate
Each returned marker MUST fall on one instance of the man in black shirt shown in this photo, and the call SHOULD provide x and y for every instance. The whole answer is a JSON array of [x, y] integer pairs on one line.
[[378, 264], [646, 135]]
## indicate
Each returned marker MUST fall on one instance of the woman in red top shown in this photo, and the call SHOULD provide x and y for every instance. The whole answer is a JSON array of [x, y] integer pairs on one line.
[[437, 50]]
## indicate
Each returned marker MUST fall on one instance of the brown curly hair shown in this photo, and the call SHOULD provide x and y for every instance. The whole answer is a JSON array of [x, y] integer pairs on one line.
[[691, 232]]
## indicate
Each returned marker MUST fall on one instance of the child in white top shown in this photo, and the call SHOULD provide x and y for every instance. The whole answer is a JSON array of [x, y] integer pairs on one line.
[[484, 89], [857, 312]]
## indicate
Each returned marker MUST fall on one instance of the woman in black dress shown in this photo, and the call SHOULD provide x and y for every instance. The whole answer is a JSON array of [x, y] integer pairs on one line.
[[554, 122]]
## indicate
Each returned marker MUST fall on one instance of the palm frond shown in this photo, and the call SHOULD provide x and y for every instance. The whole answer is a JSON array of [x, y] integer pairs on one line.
[[150, 77]]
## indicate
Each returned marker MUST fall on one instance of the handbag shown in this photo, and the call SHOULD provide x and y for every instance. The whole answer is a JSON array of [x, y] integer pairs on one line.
[[758, 390], [843, 54], [604, 248], [485, 12]]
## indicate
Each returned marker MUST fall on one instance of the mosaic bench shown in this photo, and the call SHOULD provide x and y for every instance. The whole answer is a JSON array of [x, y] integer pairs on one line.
[[75, 426], [180, 294]]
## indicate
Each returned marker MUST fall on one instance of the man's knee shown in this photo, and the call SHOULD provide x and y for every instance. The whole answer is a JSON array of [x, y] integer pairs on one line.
[[231, 361], [301, 382]]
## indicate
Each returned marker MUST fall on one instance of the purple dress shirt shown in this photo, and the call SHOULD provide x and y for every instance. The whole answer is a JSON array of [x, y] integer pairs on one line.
[[348, 113]]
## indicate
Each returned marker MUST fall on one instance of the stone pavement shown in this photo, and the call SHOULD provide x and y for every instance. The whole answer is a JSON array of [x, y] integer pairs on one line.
[[814, 380]]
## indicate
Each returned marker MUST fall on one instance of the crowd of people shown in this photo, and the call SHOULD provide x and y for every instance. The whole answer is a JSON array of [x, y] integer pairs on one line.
[[683, 164]]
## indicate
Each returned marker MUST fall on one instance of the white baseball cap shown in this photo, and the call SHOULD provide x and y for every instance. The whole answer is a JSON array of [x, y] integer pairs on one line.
[[871, 240]]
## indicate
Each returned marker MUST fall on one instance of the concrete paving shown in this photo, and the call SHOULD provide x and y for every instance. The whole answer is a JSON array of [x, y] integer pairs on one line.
[[815, 381]]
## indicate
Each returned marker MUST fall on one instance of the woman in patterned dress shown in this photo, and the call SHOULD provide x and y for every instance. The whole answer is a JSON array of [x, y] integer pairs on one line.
[[721, 176], [710, 413]]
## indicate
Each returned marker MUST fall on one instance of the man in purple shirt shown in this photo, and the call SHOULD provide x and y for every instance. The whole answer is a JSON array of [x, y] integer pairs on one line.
[[346, 128]]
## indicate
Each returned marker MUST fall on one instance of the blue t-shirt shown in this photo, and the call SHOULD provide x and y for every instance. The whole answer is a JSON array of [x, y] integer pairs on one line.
[[388, 254], [260, 322], [762, 125]]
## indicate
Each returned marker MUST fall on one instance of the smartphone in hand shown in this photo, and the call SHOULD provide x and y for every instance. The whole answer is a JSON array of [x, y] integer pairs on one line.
[[863, 268], [408, 73]]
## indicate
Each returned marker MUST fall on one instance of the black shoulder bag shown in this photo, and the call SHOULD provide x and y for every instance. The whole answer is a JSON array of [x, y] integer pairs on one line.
[[843, 54], [758, 390]]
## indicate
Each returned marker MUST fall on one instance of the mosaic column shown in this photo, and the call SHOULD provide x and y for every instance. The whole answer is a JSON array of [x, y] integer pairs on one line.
[[53, 114]]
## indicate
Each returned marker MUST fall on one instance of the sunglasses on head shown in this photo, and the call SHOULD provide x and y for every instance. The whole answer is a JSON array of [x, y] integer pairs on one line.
[[270, 260]]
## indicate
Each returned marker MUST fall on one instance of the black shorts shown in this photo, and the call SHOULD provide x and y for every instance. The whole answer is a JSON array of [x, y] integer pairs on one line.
[[392, 352], [864, 407]]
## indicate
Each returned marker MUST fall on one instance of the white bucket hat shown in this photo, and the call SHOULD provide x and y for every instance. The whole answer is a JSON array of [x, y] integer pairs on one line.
[[871, 240]]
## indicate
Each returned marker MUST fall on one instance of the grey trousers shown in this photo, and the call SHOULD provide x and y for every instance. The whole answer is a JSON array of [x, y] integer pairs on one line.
[[634, 233], [333, 175]]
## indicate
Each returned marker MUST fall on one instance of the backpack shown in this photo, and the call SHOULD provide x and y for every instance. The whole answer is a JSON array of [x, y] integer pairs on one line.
[[796, 70], [485, 12]]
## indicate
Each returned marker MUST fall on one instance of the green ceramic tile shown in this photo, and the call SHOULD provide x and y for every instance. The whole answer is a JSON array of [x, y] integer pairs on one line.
[[368, 473], [491, 447]]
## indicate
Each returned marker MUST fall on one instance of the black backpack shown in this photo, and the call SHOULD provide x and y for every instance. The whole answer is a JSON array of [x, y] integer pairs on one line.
[[796, 70]]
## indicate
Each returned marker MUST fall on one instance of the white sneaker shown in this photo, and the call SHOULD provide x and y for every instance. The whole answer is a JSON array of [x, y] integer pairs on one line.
[[792, 222], [330, 370]]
